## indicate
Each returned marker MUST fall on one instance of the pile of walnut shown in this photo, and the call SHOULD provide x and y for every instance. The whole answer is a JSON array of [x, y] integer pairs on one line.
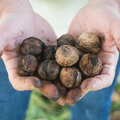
[[66, 65]]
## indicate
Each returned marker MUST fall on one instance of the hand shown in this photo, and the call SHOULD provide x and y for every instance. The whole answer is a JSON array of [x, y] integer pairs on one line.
[[17, 22], [103, 18]]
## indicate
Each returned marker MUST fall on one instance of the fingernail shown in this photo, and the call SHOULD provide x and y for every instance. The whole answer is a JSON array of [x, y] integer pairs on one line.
[[37, 83]]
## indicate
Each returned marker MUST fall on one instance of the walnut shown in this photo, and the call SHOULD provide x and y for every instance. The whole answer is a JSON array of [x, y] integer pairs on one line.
[[48, 70], [90, 65], [70, 77], [32, 46], [67, 55], [66, 39], [89, 42], [27, 65]]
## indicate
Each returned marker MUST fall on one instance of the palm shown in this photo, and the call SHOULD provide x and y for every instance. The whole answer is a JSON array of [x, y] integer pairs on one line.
[[103, 20]]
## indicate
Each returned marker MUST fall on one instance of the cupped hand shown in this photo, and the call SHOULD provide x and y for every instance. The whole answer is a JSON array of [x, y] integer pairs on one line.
[[103, 18], [17, 22]]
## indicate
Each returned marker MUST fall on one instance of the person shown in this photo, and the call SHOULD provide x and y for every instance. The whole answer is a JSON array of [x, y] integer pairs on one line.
[[19, 21]]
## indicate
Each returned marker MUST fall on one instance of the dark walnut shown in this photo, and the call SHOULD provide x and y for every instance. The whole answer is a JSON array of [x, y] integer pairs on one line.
[[70, 77], [27, 65], [90, 65], [32, 46], [67, 55], [48, 70], [66, 39], [49, 53], [89, 42]]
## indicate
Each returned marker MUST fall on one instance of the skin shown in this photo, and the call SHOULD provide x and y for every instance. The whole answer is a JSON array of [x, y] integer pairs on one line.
[[103, 18], [17, 22]]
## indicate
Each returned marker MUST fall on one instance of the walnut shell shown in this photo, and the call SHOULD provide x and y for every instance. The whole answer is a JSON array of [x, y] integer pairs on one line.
[[32, 46], [70, 77], [90, 65], [48, 70], [67, 55], [66, 39], [49, 53], [89, 42], [27, 65]]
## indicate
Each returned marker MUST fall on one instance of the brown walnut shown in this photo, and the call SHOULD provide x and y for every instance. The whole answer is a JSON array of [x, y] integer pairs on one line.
[[27, 65], [32, 46], [67, 55], [70, 77], [89, 42], [48, 70], [90, 65], [66, 39]]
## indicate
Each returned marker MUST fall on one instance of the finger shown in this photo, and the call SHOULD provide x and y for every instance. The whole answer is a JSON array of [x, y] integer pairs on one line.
[[20, 83], [23, 83], [74, 95], [49, 90], [61, 101], [63, 92]]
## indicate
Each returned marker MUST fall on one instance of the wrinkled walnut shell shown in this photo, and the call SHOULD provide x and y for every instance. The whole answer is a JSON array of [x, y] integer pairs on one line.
[[32, 46], [66, 39], [70, 77], [90, 65], [27, 65], [48, 70], [67, 55], [89, 42]]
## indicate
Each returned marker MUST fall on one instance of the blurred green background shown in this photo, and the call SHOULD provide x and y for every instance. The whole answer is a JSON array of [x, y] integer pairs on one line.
[[59, 14]]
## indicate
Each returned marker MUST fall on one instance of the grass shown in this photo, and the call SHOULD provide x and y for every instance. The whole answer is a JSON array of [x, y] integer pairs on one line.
[[41, 108]]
